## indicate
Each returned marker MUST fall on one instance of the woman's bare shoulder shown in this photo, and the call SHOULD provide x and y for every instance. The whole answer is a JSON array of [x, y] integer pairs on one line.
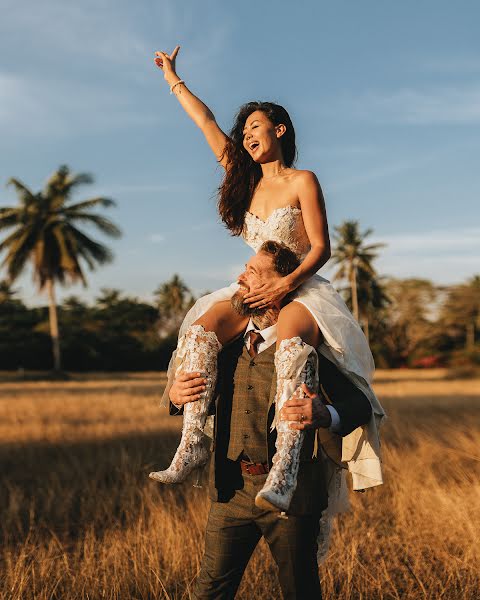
[[304, 176], [306, 182]]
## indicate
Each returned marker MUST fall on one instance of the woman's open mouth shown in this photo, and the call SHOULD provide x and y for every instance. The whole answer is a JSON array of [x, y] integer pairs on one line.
[[253, 146]]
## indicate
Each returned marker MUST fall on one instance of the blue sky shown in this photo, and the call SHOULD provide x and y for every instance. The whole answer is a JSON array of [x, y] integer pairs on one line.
[[384, 96]]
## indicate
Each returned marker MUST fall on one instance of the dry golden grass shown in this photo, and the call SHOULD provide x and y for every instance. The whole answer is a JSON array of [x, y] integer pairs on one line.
[[80, 519]]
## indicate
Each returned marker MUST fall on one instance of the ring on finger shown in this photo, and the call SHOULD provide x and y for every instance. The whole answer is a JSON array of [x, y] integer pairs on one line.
[[302, 418]]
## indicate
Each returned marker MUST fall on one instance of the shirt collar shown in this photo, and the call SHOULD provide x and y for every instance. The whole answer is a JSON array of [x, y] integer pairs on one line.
[[269, 334]]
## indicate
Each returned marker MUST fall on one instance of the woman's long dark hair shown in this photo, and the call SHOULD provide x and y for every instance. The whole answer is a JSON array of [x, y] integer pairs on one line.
[[243, 173]]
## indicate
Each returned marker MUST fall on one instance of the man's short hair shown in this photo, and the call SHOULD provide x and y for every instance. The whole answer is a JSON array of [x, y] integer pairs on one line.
[[285, 261]]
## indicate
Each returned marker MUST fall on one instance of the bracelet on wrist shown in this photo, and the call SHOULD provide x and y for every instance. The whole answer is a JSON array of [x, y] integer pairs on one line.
[[176, 83]]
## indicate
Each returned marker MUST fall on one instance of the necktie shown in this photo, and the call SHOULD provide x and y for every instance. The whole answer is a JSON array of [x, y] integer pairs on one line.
[[255, 339]]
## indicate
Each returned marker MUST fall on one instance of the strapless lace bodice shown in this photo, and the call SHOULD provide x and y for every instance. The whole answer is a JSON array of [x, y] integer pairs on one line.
[[283, 225]]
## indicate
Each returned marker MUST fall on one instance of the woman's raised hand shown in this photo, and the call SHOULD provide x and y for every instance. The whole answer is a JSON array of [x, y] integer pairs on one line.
[[166, 62], [269, 293]]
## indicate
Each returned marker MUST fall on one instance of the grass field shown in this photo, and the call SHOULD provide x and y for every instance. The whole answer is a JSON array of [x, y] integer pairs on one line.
[[80, 518]]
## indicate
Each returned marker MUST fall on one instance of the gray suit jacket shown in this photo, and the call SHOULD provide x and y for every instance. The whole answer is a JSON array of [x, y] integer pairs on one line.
[[310, 496]]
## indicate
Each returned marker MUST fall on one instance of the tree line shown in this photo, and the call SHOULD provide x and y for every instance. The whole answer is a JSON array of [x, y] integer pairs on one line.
[[418, 325], [408, 322], [115, 333]]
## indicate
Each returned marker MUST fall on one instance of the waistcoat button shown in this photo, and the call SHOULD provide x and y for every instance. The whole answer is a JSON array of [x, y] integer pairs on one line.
[[245, 436], [252, 363], [247, 412], [250, 387]]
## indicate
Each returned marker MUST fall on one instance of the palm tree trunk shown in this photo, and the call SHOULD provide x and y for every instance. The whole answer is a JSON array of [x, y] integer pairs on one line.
[[354, 292], [52, 313], [367, 330]]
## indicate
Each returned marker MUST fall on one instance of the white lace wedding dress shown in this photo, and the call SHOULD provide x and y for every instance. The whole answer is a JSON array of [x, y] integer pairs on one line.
[[344, 344]]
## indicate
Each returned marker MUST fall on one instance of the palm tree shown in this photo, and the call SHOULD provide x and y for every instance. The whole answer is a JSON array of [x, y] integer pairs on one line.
[[46, 234], [354, 257], [173, 300]]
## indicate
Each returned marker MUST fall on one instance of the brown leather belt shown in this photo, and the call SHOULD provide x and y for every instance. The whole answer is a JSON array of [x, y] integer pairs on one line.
[[250, 468]]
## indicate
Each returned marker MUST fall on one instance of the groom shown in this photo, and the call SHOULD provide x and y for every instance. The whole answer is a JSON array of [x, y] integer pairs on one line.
[[243, 448]]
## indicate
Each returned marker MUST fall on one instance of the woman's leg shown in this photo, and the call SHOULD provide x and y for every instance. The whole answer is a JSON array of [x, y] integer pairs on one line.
[[197, 351], [296, 362]]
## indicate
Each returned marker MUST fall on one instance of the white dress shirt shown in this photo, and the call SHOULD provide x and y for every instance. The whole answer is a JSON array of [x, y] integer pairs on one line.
[[269, 335]]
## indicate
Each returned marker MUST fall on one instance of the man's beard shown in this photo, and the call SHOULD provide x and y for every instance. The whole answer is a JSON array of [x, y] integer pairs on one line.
[[243, 309]]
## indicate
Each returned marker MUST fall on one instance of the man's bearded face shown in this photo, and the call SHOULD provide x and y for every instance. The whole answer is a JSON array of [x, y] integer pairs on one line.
[[257, 270], [242, 309]]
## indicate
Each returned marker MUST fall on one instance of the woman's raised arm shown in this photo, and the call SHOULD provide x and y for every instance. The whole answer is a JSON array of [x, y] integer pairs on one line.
[[201, 115]]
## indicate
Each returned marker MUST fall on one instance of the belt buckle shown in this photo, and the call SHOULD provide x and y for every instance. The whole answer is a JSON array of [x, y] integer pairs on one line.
[[247, 467]]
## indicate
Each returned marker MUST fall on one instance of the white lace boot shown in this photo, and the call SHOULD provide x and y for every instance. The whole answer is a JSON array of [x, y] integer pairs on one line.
[[197, 351], [296, 363]]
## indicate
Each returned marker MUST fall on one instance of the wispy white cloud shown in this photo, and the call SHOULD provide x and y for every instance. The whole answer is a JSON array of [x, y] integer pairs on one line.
[[444, 255], [372, 174], [386, 167], [85, 64], [35, 107], [339, 151], [116, 189], [76, 30], [443, 270], [16, 100], [442, 241], [108, 33], [435, 105], [218, 276], [451, 64], [156, 238], [200, 47]]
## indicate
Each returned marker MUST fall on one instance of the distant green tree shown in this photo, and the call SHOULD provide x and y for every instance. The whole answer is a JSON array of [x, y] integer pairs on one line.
[[46, 234], [75, 308], [21, 342], [173, 300], [354, 258], [411, 318], [373, 300], [124, 314], [126, 332], [460, 313], [7, 294]]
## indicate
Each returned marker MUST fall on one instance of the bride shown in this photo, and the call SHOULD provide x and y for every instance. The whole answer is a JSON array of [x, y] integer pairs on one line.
[[262, 197]]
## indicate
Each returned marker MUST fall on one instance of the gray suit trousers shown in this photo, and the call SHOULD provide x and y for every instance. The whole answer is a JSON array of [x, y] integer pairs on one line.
[[234, 529]]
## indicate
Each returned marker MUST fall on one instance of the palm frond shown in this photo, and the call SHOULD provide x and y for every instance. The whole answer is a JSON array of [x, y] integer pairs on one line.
[[61, 184], [99, 201], [25, 195], [11, 239], [86, 245], [87, 258], [19, 251], [102, 223], [366, 233], [68, 251], [56, 181], [73, 181], [372, 247], [9, 217]]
